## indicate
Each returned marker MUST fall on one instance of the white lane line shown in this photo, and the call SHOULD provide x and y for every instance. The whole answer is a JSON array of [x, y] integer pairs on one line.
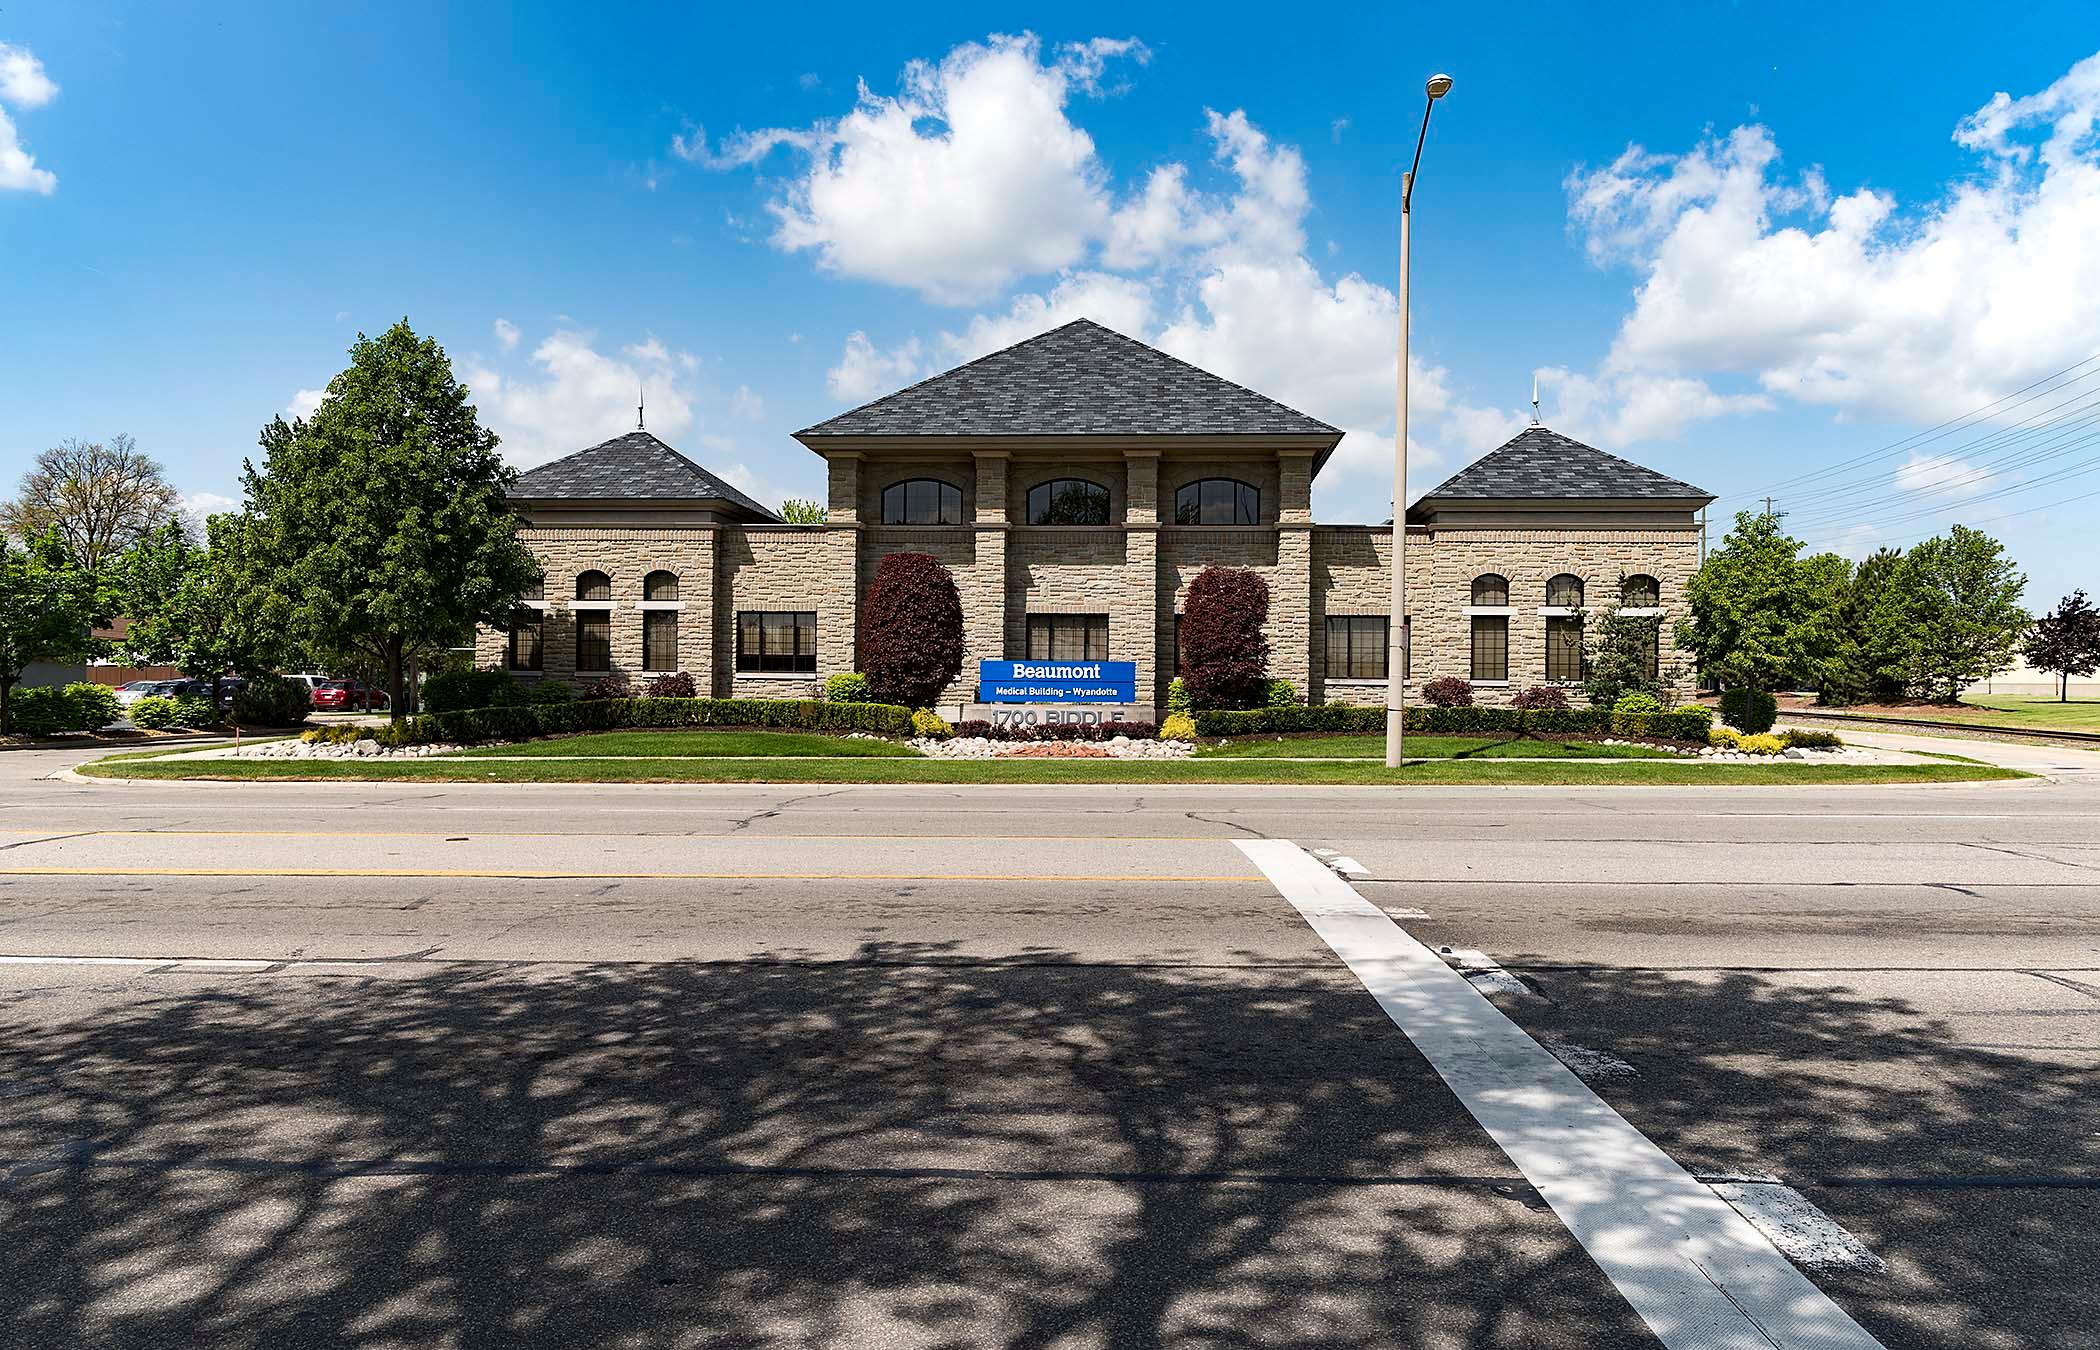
[[1797, 1227], [1483, 973], [142, 962], [1696, 1271], [1589, 1064]]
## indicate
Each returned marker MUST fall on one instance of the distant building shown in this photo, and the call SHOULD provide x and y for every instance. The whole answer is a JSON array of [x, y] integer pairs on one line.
[[1075, 484]]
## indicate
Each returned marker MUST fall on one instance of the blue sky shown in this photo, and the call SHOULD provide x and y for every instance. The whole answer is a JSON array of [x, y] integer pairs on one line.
[[1833, 235]]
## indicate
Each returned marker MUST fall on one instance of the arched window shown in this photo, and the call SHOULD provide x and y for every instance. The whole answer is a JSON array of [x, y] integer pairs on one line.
[[660, 586], [1217, 501], [536, 591], [1640, 592], [593, 586], [1068, 501], [922, 501], [593, 622], [1490, 632], [1489, 589], [1564, 591], [660, 621]]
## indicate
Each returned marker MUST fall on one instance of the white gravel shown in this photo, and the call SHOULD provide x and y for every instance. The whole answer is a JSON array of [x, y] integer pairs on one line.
[[298, 749]]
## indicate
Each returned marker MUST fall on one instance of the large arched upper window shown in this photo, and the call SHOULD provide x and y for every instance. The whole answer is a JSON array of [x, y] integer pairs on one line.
[[922, 501], [660, 586], [1490, 589], [593, 586], [1640, 592], [1217, 501], [1565, 591], [1068, 501]]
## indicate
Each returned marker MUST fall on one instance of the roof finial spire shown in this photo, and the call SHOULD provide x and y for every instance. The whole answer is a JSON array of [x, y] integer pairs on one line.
[[641, 402], [1534, 398]]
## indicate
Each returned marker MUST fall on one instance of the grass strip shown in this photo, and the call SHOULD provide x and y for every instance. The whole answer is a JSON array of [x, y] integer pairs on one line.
[[1423, 747]]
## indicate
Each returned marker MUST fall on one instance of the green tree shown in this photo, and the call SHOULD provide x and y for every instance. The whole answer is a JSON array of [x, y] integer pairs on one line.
[[1762, 617], [798, 511], [382, 520], [199, 609], [1951, 615], [100, 498], [49, 606], [1618, 649], [1853, 674], [2065, 642]]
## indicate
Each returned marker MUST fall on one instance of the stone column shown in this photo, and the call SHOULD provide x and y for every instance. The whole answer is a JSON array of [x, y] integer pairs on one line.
[[838, 636], [1134, 625], [697, 629], [1290, 598], [984, 589]]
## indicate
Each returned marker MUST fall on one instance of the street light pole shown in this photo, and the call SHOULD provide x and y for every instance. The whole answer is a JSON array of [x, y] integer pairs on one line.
[[1396, 624]]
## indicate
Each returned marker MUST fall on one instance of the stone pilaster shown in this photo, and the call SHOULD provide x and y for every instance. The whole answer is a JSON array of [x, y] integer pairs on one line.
[[1291, 608], [842, 487], [984, 587], [1134, 624], [698, 642]]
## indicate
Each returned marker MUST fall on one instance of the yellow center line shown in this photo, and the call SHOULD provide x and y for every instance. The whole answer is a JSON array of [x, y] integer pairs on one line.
[[525, 873]]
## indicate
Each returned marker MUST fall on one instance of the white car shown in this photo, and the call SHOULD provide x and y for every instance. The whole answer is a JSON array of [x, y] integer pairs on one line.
[[131, 692]]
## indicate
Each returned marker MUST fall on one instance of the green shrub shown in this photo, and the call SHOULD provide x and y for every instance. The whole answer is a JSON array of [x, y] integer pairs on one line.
[[1178, 698], [155, 712], [928, 723], [342, 733], [522, 722], [453, 690], [1279, 694], [1638, 701], [848, 686], [195, 710], [1760, 743], [42, 711], [1804, 738], [1750, 710], [548, 691], [1634, 714], [272, 701], [94, 706]]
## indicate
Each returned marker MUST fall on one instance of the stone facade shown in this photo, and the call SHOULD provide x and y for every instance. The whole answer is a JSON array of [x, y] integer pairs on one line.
[[1135, 570]]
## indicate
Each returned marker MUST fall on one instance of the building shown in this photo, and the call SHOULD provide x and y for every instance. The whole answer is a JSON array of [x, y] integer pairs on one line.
[[1075, 484]]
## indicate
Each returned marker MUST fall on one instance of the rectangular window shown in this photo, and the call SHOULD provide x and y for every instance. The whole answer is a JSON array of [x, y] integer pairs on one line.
[[1067, 637], [528, 628], [1651, 648], [776, 641], [1491, 646], [659, 639], [593, 639], [1563, 648], [1356, 646]]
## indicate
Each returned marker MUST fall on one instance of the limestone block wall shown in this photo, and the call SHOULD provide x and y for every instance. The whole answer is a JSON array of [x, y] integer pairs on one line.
[[975, 557], [793, 567], [626, 555], [1070, 569]]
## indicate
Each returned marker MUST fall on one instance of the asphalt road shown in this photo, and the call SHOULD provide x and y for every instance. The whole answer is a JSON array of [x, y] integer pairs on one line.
[[407, 1065]]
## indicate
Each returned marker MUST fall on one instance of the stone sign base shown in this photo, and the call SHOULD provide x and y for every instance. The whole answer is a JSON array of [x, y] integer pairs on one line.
[[1052, 714]]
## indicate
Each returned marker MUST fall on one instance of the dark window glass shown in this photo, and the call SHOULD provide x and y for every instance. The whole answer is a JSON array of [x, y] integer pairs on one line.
[[1651, 648], [659, 639], [528, 628], [1067, 637], [922, 501], [593, 586], [1489, 589], [1068, 501], [1356, 646], [1490, 646], [1563, 648], [1217, 501], [1564, 590], [593, 639], [660, 586], [776, 640], [1640, 592], [536, 591]]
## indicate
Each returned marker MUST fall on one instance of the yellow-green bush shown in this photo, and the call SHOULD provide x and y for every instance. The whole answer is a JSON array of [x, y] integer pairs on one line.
[[1723, 738], [926, 722], [1760, 743], [1178, 727]]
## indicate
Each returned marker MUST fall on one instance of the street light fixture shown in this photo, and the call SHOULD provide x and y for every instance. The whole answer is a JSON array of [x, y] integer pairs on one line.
[[1396, 625]]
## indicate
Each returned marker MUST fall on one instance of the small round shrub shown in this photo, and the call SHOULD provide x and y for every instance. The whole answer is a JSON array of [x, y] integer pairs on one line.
[[928, 723], [678, 684], [153, 713], [458, 690], [548, 691], [272, 701], [1804, 738], [848, 686], [911, 629], [1178, 700], [1279, 694], [94, 706], [195, 710], [1179, 726], [42, 711], [1751, 710], [1448, 692], [1638, 702], [610, 686], [1542, 698], [1722, 738], [1760, 743]]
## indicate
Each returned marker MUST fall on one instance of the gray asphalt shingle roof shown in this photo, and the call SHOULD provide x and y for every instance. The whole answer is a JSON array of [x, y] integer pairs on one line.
[[1076, 380], [633, 467], [1541, 463]]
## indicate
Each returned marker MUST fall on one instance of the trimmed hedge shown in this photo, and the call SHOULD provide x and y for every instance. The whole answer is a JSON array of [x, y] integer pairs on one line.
[[524, 721], [1684, 724], [272, 701], [458, 690]]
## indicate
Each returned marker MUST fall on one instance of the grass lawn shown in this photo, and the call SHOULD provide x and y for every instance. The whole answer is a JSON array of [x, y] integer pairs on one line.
[[1448, 772], [702, 744], [1991, 712], [1423, 747]]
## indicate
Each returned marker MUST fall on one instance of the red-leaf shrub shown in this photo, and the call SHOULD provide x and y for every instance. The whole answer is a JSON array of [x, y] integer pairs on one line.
[[911, 636], [1449, 692], [675, 685], [1540, 697], [1224, 656], [609, 686]]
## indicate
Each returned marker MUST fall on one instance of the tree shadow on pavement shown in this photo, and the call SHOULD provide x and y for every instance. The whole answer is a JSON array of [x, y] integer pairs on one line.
[[908, 1150]]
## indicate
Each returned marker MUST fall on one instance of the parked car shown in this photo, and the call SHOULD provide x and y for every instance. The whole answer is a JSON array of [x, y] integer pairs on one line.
[[347, 696], [132, 691]]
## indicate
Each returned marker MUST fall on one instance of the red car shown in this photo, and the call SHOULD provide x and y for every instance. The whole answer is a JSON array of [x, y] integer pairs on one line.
[[346, 696]]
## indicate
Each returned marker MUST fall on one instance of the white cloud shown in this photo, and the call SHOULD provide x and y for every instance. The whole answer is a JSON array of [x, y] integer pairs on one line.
[[506, 334], [198, 507], [1941, 476], [304, 402], [573, 395], [1121, 303], [969, 177], [23, 84], [1618, 408], [1857, 301], [864, 370], [746, 402], [810, 80]]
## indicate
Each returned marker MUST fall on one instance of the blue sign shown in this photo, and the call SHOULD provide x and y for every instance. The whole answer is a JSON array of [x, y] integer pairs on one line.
[[1057, 681]]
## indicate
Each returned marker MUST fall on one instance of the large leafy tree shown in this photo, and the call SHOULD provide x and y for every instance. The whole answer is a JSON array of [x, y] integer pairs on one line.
[[1853, 674], [2065, 642], [200, 609], [1951, 614], [381, 519], [1762, 616], [49, 606], [100, 498]]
